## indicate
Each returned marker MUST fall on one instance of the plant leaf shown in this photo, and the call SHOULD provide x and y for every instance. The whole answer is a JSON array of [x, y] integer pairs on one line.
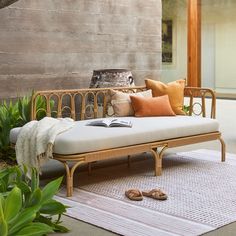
[[24, 187], [34, 229], [2, 203], [53, 207], [34, 179], [18, 173], [4, 172], [60, 228], [55, 225], [35, 198], [50, 189], [3, 227], [13, 203], [23, 218]]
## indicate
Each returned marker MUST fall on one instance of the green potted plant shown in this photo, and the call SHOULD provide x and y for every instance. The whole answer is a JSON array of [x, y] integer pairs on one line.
[[25, 207]]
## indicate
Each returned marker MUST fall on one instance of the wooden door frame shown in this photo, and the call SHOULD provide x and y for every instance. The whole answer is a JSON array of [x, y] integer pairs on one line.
[[194, 43]]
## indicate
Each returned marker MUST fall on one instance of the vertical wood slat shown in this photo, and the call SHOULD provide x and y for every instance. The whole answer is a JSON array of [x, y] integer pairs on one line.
[[48, 109], [104, 112], [33, 108], [72, 103], [95, 105], [191, 104], [203, 104], [194, 43], [83, 106], [213, 110], [59, 106], [70, 108]]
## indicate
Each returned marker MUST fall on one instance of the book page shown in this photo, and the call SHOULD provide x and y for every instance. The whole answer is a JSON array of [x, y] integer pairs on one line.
[[104, 123], [110, 123], [120, 123]]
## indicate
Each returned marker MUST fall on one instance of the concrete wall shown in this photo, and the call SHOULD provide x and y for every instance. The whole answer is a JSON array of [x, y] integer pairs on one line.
[[54, 44]]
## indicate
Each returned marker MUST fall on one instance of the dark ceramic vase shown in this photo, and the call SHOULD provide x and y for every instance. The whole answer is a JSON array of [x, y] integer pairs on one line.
[[111, 78]]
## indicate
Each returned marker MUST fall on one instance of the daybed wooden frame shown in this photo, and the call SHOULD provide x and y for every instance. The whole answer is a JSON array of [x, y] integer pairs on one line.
[[92, 103]]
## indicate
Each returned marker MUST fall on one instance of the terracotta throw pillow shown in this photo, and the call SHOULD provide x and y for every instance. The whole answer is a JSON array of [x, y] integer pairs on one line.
[[121, 102], [175, 91], [155, 106]]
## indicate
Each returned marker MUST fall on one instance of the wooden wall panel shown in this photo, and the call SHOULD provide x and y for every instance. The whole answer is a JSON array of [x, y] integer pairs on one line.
[[194, 43], [58, 43]]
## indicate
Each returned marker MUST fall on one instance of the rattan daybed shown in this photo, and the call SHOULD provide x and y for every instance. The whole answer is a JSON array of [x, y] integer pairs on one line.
[[86, 144]]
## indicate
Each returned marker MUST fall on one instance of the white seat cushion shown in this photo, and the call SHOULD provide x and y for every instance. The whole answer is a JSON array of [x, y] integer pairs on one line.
[[14, 133], [82, 138]]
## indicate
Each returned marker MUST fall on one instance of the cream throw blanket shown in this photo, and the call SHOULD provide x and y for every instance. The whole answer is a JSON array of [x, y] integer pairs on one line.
[[35, 141]]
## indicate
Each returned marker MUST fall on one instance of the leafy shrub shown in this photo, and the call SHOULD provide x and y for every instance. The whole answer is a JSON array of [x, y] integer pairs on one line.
[[16, 115], [186, 109], [9, 118], [25, 208], [24, 109]]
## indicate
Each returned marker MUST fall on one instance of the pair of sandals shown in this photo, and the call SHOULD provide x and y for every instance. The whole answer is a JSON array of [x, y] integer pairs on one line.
[[137, 195]]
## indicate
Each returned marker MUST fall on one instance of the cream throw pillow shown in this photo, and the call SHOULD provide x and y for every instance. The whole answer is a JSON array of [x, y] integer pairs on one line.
[[121, 102]]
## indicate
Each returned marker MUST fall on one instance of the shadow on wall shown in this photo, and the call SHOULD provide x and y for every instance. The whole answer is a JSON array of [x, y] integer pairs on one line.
[[6, 3]]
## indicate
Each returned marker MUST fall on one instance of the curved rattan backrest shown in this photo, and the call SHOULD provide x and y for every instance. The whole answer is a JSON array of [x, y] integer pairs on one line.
[[78, 104], [81, 104]]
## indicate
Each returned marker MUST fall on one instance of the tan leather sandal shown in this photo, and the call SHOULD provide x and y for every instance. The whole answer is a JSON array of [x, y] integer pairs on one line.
[[134, 194], [155, 194]]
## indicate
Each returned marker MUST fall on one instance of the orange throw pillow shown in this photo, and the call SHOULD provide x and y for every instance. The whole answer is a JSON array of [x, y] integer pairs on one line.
[[154, 106], [175, 91]]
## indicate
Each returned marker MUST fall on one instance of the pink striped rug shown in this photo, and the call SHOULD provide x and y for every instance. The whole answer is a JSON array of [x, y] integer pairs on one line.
[[201, 196]]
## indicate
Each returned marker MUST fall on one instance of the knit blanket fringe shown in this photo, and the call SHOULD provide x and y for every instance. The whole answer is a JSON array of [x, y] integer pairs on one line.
[[36, 139]]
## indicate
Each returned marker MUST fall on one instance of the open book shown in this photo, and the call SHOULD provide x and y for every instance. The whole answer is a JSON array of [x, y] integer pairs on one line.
[[111, 123]]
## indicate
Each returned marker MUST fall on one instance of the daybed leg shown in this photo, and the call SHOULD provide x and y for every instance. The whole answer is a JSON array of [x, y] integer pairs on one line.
[[222, 149], [69, 176], [129, 161], [158, 154], [89, 168], [68, 180], [158, 162]]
